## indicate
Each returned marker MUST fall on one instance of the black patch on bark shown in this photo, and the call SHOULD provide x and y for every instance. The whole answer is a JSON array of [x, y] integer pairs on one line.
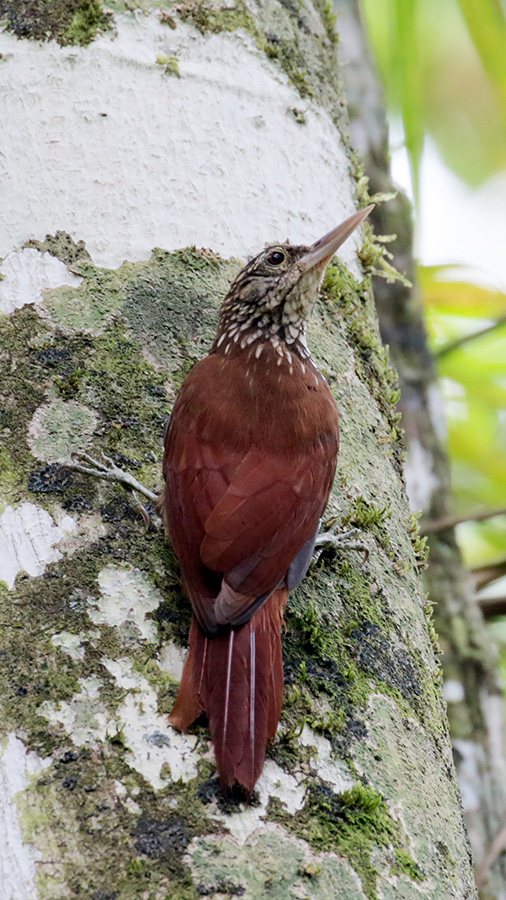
[[390, 664], [156, 838], [52, 479]]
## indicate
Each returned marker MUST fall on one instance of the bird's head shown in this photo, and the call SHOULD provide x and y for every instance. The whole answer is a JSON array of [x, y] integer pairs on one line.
[[272, 297]]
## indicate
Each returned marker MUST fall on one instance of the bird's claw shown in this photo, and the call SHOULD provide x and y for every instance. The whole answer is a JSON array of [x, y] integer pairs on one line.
[[109, 471], [339, 541], [80, 454], [146, 518]]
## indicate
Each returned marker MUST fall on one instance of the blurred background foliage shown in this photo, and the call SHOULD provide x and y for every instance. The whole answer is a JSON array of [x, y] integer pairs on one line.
[[443, 65]]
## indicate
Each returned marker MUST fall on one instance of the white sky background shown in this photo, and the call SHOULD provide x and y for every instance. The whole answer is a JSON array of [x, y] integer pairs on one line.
[[456, 224]]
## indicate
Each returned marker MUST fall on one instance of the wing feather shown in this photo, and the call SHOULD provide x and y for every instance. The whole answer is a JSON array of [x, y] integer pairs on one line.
[[240, 515]]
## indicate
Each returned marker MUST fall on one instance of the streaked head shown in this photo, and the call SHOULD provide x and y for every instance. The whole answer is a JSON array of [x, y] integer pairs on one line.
[[274, 294]]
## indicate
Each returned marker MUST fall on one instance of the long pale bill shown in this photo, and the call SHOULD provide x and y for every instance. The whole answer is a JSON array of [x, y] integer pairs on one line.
[[327, 245]]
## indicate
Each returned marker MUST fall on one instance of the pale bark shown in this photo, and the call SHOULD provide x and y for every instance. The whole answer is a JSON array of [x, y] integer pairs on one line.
[[101, 797]]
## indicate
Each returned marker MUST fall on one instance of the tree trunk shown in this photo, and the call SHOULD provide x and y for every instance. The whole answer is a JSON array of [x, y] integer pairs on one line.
[[221, 127]]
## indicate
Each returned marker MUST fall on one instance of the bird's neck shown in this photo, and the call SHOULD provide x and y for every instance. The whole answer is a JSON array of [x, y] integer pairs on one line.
[[239, 330]]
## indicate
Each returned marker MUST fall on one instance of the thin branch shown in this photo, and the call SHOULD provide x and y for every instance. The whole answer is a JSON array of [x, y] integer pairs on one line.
[[432, 526], [483, 575], [492, 606], [498, 844], [467, 338]]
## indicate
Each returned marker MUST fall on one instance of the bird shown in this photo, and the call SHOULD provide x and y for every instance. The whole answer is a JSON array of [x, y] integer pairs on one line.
[[250, 454]]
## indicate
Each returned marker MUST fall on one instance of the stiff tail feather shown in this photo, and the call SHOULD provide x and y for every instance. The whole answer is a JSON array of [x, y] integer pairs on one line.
[[237, 678], [188, 706]]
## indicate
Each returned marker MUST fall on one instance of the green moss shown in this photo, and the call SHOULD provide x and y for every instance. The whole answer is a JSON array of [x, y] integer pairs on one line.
[[405, 865], [32, 668], [329, 19], [164, 684], [420, 544], [298, 77], [170, 65], [376, 258], [288, 34], [214, 19], [131, 398], [299, 115], [107, 373], [339, 663], [353, 824], [352, 300], [428, 609], [65, 21], [88, 21], [10, 477], [364, 514], [374, 255], [284, 47], [368, 516], [68, 386], [23, 388]]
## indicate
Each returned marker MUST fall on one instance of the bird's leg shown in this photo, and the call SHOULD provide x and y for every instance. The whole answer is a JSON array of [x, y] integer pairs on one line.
[[108, 471], [344, 541]]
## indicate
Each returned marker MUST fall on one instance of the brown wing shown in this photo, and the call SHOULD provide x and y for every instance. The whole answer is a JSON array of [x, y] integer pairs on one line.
[[239, 513]]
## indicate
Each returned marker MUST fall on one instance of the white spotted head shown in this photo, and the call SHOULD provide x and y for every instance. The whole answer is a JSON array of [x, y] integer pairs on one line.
[[272, 297]]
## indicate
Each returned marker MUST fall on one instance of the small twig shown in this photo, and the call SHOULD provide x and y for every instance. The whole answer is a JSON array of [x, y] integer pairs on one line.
[[467, 338], [498, 844], [432, 526], [109, 472], [492, 606], [483, 575]]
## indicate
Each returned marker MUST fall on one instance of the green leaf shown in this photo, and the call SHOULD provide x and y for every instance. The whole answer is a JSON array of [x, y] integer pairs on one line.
[[439, 76], [462, 297], [487, 27], [394, 28]]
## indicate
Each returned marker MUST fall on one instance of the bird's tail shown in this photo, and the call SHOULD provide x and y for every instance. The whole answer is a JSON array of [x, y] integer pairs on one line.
[[237, 679]]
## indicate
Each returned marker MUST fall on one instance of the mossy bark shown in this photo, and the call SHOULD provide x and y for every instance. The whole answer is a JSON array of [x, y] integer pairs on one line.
[[359, 797]]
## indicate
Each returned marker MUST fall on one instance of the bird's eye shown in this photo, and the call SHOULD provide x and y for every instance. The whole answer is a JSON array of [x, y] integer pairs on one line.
[[276, 257]]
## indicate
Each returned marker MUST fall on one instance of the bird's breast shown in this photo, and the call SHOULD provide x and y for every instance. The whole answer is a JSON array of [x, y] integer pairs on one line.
[[263, 395]]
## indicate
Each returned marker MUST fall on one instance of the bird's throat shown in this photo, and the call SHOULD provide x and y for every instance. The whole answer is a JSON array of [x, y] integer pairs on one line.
[[237, 337]]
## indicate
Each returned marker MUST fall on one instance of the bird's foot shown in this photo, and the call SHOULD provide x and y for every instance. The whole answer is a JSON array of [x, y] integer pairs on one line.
[[343, 541], [109, 471]]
